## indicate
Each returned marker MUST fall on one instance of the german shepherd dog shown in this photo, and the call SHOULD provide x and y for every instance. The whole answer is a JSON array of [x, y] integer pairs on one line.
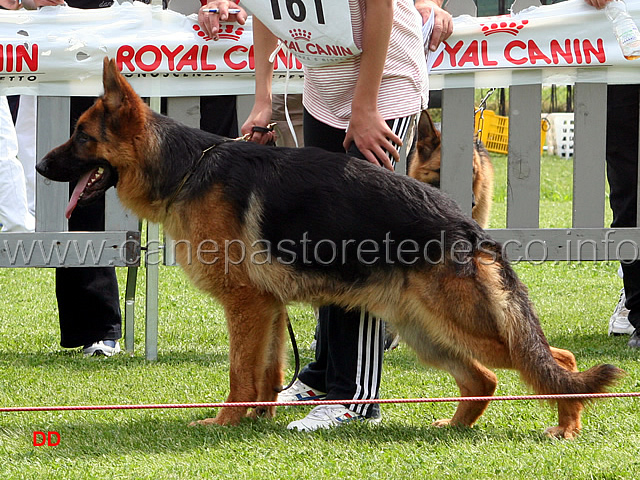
[[304, 225], [424, 165]]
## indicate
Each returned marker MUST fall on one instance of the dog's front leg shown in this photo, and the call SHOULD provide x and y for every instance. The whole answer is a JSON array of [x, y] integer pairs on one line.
[[273, 376], [250, 321]]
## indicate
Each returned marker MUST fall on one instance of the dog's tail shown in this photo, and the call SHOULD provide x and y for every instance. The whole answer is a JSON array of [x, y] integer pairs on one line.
[[545, 369]]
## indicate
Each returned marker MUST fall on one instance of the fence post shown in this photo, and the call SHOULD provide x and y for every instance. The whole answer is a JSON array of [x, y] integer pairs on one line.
[[456, 171], [589, 134], [152, 266], [51, 197], [523, 209]]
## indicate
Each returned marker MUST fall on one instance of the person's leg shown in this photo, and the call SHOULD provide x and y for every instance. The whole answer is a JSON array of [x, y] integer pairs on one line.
[[279, 115], [622, 169], [88, 299], [350, 344], [219, 115]]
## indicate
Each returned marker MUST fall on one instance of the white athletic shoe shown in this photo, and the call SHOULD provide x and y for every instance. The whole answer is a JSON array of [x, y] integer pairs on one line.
[[300, 392], [108, 348], [328, 416], [619, 321]]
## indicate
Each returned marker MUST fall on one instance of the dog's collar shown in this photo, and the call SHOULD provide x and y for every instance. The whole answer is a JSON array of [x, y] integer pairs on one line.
[[190, 172], [187, 176]]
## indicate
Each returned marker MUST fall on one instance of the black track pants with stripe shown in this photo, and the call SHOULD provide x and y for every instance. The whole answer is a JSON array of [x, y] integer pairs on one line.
[[350, 344]]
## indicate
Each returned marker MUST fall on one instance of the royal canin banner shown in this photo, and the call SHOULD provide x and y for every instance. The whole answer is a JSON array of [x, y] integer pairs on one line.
[[59, 51], [562, 43]]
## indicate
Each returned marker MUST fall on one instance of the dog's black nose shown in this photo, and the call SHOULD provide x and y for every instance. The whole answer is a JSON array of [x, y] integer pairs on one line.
[[41, 167]]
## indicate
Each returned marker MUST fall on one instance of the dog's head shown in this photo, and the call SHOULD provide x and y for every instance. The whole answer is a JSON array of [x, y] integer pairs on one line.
[[103, 142], [424, 164]]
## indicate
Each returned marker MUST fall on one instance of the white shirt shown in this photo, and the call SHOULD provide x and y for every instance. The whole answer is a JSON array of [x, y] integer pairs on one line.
[[404, 90]]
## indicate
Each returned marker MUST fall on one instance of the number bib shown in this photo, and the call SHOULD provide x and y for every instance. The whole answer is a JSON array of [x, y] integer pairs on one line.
[[313, 30]]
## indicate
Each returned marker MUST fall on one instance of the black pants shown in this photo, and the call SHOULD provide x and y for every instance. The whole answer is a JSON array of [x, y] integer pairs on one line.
[[218, 115], [350, 344], [622, 172], [88, 299]]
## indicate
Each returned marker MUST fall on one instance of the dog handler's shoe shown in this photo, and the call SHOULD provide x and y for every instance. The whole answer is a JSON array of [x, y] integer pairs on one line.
[[328, 416], [108, 348], [300, 392], [619, 321], [391, 338], [634, 341]]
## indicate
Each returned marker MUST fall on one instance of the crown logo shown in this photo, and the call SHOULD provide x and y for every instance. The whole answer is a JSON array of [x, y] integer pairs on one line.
[[200, 33], [512, 27], [300, 34], [227, 31]]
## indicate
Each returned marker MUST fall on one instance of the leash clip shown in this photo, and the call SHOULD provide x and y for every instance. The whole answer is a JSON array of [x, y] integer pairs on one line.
[[248, 136]]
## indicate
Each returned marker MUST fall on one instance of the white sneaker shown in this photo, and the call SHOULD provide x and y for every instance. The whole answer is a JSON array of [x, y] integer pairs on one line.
[[619, 321], [328, 416], [108, 348], [299, 392]]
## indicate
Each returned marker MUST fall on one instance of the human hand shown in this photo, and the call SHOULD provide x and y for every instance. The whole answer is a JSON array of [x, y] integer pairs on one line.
[[10, 4], [35, 4], [260, 116], [598, 3], [373, 137], [442, 21], [210, 22]]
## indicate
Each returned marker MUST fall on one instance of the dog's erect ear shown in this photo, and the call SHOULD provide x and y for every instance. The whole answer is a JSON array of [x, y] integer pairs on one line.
[[116, 88], [427, 131]]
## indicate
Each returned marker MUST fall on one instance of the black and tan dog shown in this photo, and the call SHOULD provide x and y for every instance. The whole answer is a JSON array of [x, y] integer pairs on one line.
[[280, 225], [424, 165]]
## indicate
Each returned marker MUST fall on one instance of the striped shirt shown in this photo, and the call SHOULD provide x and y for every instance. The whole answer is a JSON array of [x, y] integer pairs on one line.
[[404, 90]]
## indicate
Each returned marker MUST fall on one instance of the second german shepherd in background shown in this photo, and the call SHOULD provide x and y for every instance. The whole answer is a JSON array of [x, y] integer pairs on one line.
[[280, 225], [424, 165]]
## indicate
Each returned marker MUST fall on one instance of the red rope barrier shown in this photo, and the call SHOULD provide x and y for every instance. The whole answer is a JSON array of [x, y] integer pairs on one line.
[[321, 402]]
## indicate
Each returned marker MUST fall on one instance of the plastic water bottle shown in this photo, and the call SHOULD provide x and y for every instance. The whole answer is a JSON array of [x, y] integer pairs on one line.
[[625, 29]]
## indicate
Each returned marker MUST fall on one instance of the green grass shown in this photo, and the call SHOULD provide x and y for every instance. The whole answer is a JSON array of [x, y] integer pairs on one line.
[[574, 302]]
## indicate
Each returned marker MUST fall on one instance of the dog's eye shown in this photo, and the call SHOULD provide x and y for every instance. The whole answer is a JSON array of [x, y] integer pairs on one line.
[[82, 137]]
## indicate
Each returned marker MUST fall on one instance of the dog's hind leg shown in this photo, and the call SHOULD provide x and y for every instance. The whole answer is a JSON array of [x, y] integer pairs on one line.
[[569, 411], [250, 321], [474, 380]]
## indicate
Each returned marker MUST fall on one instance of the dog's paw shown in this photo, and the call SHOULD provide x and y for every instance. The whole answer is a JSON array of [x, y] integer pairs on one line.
[[264, 412], [205, 422], [226, 416], [561, 432], [445, 422]]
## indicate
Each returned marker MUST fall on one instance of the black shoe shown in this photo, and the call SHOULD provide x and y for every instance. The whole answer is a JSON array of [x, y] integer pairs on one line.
[[391, 337], [634, 341]]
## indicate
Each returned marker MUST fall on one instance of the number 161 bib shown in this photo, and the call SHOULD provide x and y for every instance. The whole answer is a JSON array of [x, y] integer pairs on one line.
[[317, 32]]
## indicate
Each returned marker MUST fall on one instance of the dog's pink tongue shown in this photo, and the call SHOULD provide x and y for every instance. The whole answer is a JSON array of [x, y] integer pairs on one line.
[[77, 192]]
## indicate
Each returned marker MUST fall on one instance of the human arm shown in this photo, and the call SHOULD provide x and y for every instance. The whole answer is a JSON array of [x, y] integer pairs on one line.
[[442, 20], [264, 43], [367, 129]]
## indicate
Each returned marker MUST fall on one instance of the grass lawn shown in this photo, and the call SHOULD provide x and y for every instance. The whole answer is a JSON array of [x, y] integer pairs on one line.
[[574, 302]]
